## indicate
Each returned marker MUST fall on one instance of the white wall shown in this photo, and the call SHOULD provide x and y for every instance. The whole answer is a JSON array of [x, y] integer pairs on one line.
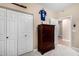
[[54, 21]]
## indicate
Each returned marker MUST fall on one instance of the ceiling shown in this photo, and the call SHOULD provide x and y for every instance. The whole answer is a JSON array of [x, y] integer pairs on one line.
[[57, 7]]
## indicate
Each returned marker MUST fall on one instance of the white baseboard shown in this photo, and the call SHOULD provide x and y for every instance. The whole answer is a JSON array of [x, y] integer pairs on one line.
[[77, 49], [35, 50]]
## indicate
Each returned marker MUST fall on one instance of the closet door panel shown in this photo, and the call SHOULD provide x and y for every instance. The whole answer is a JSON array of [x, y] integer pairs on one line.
[[2, 48], [11, 32], [2, 32], [11, 48], [29, 32], [25, 42]]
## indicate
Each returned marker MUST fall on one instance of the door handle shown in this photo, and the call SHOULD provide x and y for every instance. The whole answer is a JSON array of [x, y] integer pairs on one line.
[[7, 37], [25, 35]]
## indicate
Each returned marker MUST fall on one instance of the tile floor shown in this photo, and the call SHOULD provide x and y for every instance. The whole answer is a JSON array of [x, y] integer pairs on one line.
[[60, 50]]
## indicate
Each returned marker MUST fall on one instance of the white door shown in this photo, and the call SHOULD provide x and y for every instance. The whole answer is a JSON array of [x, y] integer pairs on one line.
[[2, 32], [25, 31], [11, 33]]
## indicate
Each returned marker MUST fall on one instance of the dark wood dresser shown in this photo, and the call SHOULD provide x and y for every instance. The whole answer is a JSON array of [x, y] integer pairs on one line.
[[45, 37]]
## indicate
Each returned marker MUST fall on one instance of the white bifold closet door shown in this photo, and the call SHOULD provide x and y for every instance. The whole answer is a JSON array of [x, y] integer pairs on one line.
[[2, 32], [11, 33], [16, 32], [25, 33]]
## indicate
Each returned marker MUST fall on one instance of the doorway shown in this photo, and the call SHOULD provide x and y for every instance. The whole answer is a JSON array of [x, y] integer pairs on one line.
[[65, 31]]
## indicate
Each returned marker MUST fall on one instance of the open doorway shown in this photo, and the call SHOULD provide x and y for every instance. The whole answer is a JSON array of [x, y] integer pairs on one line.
[[65, 31]]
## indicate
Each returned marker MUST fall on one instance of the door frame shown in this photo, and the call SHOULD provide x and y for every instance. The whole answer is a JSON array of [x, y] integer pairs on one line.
[[65, 17]]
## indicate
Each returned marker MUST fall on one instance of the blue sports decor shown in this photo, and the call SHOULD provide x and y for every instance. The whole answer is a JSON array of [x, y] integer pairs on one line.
[[42, 13]]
